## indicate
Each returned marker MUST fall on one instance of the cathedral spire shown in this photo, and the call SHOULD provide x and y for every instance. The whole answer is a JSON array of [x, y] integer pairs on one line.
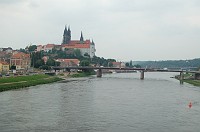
[[81, 38], [65, 30], [69, 28], [69, 32], [66, 35], [92, 42]]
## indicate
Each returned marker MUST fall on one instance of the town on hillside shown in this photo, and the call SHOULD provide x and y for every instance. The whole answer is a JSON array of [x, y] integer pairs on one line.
[[43, 56]]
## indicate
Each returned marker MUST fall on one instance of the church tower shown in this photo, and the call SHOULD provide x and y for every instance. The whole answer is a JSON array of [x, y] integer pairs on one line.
[[66, 35], [81, 38]]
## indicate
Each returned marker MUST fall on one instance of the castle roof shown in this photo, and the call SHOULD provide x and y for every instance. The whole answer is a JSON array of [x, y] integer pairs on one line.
[[77, 44]]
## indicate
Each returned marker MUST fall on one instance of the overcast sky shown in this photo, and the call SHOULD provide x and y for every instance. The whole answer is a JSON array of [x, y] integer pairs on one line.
[[121, 29]]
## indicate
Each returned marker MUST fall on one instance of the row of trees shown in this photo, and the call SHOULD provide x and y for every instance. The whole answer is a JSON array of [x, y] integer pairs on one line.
[[85, 60], [171, 63], [37, 60]]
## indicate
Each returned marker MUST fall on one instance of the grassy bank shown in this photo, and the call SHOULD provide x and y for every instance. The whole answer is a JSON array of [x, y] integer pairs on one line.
[[25, 81], [188, 78], [193, 82]]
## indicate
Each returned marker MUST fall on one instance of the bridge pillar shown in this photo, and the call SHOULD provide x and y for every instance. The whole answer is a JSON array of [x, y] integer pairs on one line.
[[99, 73], [142, 75], [181, 76], [197, 76]]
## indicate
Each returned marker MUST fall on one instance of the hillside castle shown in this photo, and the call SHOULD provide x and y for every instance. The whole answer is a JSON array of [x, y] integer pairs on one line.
[[86, 47]]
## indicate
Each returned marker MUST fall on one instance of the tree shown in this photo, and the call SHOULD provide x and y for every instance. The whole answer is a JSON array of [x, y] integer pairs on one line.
[[51, 62], [39, 63], [84, 63], [57, 63], [45, 67], [110, 64], [127, 64], [86, 55], [32, 48], [22, 50], [77, 53], [131, 64], [35, 57], [137, 66]]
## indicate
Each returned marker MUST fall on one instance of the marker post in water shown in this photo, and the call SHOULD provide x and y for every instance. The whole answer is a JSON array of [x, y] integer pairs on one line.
[[190, 105]]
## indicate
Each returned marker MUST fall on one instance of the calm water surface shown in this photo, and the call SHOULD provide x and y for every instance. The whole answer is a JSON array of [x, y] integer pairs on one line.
[[113, 103]]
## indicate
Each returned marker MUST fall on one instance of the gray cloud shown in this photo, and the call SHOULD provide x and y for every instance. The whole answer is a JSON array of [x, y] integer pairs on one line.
[[128, 29], [10, 1]]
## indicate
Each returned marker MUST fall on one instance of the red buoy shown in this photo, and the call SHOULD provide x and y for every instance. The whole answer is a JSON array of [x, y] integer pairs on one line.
[[190, 105]]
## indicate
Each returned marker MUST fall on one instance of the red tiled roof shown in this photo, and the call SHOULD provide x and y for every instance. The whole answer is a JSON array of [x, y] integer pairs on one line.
[[74, 42], [20, 55], [4, 63], [76, 61], [116, 63], [77, 44], [50, 45], [45, 58]]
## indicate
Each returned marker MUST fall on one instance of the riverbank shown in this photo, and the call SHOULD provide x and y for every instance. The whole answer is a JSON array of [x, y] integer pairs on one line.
[[81, 74], [9, 83], [188, 78], [193, 82]]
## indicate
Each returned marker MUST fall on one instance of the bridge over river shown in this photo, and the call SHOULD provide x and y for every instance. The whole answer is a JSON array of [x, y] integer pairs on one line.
[[142, 70]]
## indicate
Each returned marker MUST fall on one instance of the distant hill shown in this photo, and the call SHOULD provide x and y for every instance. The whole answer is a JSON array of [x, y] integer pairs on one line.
[[169, 63]]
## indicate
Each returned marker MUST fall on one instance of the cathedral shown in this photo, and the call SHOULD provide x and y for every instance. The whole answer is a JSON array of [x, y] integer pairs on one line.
[[86, 47]]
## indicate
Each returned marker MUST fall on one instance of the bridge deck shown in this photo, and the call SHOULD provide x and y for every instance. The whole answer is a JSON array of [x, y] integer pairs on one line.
[[116, 68]]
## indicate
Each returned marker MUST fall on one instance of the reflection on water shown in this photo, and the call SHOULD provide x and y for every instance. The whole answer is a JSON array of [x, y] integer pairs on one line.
[[113, 103]]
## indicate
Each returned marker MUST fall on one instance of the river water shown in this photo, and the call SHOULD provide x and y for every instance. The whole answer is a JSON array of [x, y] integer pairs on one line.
[[114, 103]]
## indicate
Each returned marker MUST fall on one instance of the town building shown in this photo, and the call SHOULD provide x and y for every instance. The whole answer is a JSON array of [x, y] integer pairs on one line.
[[5, 56], [45, 48], [119, 64], [21, 60], [45, 58], [7, 50], [4, 66], [68, 62]]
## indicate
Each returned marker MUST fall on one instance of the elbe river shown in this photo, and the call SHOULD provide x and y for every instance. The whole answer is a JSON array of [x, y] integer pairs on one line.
[[114, 103]]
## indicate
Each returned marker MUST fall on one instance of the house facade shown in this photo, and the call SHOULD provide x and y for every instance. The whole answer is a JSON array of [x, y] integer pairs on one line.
[[45, 48], [119, 64], [4, 66], [68, 62], [21, 60], [87, 47]]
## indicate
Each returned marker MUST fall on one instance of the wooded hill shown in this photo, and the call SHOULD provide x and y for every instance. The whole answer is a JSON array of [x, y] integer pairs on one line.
[[169, 63]]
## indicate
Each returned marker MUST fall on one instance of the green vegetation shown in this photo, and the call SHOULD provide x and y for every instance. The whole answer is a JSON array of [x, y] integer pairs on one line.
[[82, 74], [188, 78], [169, 63], [25, 81], [193, 82]]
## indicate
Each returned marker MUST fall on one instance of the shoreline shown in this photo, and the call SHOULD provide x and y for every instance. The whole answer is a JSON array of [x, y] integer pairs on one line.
[[188, 80], [17, 82], [11, 83], [193, 82]]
